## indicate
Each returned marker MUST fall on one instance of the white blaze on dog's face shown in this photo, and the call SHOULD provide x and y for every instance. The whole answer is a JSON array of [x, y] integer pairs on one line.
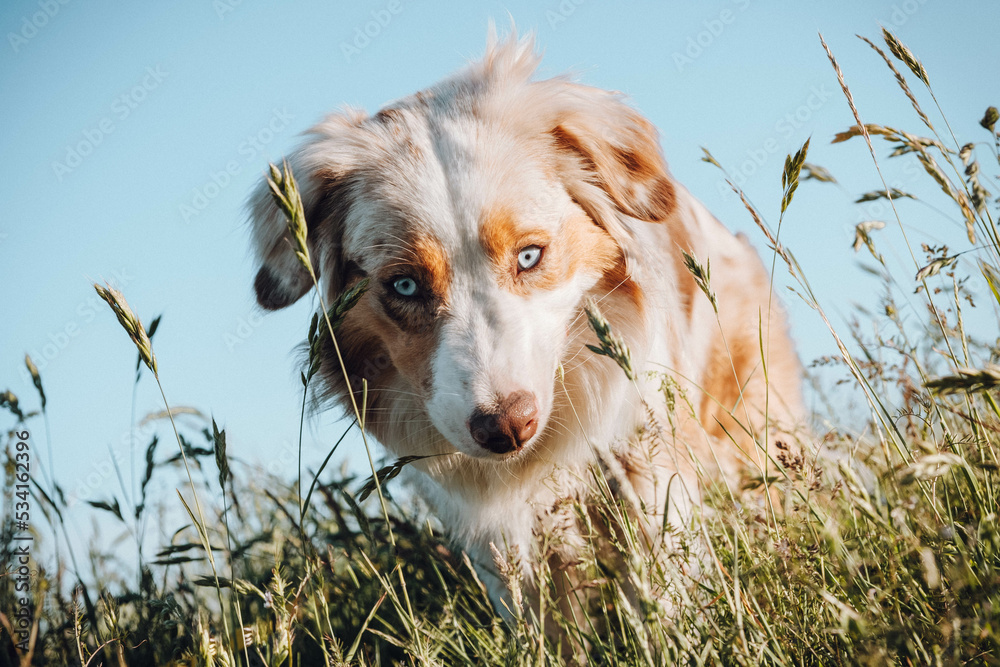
[[484, 212], [479, 261]]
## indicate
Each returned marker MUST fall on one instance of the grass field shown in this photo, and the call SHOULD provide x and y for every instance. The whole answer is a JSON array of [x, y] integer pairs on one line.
[[883, 548]]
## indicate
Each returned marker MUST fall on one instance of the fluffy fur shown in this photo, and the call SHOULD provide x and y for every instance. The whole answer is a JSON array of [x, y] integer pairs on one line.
[[446, 188]]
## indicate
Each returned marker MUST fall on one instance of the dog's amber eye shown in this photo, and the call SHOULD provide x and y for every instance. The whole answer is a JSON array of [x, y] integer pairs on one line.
[[528, 257], [405, 286]]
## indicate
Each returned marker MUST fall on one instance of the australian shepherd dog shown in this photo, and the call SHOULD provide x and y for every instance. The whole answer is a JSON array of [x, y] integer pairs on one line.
[[488, 212]]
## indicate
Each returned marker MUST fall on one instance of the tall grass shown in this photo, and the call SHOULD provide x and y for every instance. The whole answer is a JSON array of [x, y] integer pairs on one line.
[[884, 546]]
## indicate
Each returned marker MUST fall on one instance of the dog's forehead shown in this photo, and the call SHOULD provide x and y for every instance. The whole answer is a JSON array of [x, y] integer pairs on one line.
[[442, 174]]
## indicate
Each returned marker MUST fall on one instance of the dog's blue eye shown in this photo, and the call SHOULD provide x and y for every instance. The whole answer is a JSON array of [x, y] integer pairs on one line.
[[405, 286], [528, 257]]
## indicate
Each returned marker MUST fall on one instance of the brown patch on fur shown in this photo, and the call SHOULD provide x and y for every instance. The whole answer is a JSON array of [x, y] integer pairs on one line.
[[680, 239], [429, 256], [722, 389], [411, 355], [394, 336], [741, 289], [583, 245], [645, 167], [618, 281], [502, 239], [662, 198], [424, 260], [580, 246], [498, 235], [387, 115], [400, 143], [628, 167], [376, 349], [565, 140], [630, 161], [365, 358]]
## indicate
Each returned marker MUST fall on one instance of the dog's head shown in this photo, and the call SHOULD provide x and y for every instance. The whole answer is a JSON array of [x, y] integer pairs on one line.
[[485, 211]]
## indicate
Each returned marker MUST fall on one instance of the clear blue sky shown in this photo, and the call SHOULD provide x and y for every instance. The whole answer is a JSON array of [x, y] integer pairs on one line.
[[122, 119]]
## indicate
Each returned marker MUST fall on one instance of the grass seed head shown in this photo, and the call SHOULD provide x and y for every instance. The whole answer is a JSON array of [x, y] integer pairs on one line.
[[702, 276], [904, 55], [969, 380], [611, 345], [130, 322], [315, 351], [790, 175], [385, 474], [319, 332], [901, 82], [345, 302], [36, 379], [862, 236], [709, 158], [221, 460], [774, 245], [8, 399], [935, 267], [285, 192], [509, 569], [990, 119], [815, 172], [861, 127], [874, 195]]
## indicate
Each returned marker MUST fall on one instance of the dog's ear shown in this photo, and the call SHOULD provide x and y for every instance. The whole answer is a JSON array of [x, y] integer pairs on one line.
[[322, 167], [605, 144]]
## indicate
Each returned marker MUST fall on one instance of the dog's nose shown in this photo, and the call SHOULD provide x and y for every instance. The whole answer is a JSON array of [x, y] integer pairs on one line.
[[506, 427]]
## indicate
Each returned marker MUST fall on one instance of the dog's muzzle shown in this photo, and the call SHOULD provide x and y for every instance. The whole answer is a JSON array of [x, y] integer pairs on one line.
[[505, 427]]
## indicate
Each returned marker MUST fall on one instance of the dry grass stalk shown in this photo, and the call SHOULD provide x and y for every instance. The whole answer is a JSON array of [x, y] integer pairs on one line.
[[901, 81], [130, 322]]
